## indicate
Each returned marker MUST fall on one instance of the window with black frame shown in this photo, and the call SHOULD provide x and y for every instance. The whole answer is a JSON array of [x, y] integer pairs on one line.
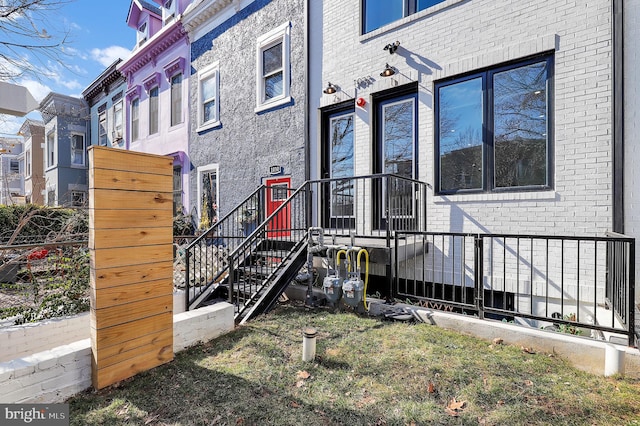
[[493, 129], [378, 13], [338, 162]]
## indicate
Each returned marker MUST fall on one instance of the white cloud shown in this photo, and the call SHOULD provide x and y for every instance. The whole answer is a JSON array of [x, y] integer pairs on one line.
[[9, 126], [109, 55], [37, 89]]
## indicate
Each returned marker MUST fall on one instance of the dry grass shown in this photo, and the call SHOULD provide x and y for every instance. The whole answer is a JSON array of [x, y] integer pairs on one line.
[[366, 372]]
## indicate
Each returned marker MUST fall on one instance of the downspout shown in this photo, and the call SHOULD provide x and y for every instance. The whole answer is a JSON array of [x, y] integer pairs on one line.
[[307, 148], [307, 138], [618, 118]]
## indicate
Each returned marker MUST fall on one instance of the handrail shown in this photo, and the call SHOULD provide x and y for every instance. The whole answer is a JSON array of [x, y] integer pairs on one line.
[[228, 222]]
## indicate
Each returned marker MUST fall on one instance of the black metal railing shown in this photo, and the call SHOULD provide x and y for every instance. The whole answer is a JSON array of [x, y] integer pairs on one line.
[[565, 283], [363, 206], [259, 258], [206, 256]]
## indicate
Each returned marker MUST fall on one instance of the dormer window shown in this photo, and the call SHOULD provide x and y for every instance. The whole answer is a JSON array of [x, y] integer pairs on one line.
[[143, 33], [168, 11]]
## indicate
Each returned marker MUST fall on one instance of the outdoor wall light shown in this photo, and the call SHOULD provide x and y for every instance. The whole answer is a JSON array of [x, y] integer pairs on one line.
[[392, 47], [387, 71], [330, 90]]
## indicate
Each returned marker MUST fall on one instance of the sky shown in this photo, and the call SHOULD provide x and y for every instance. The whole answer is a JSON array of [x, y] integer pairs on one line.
[[98, 35]]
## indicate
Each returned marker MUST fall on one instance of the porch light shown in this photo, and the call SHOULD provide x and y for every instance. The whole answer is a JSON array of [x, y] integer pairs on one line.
[[387, 71], [330, 90], [392, 47]]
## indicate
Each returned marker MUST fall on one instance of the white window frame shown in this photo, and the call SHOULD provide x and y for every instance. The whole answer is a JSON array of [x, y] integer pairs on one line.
[[103, 115], [168, 13], [27, 163], [154, 114], [72, 149], [281, 34], [180, 119], [142, 35], [83, 197], [200, 170], [137, 122], [210, 72], [118, 130], [51, 151]]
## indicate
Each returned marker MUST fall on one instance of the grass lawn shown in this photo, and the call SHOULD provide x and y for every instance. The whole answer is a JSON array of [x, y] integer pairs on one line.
[[366, 372]]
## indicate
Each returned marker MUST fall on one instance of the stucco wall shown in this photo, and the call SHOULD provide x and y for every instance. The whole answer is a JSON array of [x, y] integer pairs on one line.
[[456, 37], [247, 143]]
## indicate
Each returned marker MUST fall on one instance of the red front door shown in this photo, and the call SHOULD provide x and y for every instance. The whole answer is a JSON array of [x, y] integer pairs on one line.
[[278, 190]]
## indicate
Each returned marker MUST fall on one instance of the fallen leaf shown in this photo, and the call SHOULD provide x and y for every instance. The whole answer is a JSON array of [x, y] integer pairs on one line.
[[528, 383], [484, 381], [300, 383], [500, 402], [452, 413], [527, 350], [294, 404], [497, 341], [456, 405], [303, 375], [431, 387]]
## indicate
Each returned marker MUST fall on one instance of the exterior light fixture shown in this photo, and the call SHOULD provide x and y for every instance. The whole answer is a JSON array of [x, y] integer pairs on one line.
[[330, 90], [392, 47], [387, 71]]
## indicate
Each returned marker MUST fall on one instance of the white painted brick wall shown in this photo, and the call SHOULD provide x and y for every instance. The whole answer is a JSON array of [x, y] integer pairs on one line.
[[632, 121], [20, 340], [463, 36], [56, 374]]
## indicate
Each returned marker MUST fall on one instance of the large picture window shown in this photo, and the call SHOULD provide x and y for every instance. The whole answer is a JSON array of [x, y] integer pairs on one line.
[[493, 129], [377, 13]]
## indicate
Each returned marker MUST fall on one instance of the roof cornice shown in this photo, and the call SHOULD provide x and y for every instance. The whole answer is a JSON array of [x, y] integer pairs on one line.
[[154, 47], [198, 14]]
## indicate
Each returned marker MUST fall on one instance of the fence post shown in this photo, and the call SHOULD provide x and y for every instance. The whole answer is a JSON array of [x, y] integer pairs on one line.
[[186, 278], [631, 261], [478, 265]]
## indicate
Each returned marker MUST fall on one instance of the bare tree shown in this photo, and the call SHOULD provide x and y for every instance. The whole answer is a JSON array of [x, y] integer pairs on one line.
[[27, 47]]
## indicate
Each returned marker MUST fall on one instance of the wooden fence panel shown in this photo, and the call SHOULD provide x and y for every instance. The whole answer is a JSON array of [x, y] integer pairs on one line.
[[130, 241]]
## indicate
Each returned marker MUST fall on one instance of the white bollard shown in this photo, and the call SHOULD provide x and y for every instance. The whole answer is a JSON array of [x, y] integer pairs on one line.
[[309, 344], [613, 360]]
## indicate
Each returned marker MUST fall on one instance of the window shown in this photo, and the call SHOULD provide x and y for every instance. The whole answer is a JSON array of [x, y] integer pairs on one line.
[[102, 125], [27, 157], [78, 199], [14, 166], [208, 110], [377, 13], [176, 99], [51, 149], [493, 129], [273, 68], [153, 111], [208, 195], [135, 118], [118, 130], [77, 150], [143, 33], [177, 190], [168, 11]]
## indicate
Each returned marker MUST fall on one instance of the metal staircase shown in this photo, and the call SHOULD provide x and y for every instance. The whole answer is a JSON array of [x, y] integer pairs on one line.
[[251, 264]]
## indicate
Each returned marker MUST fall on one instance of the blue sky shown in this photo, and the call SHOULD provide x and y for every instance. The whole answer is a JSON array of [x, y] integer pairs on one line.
[[98, 35]]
